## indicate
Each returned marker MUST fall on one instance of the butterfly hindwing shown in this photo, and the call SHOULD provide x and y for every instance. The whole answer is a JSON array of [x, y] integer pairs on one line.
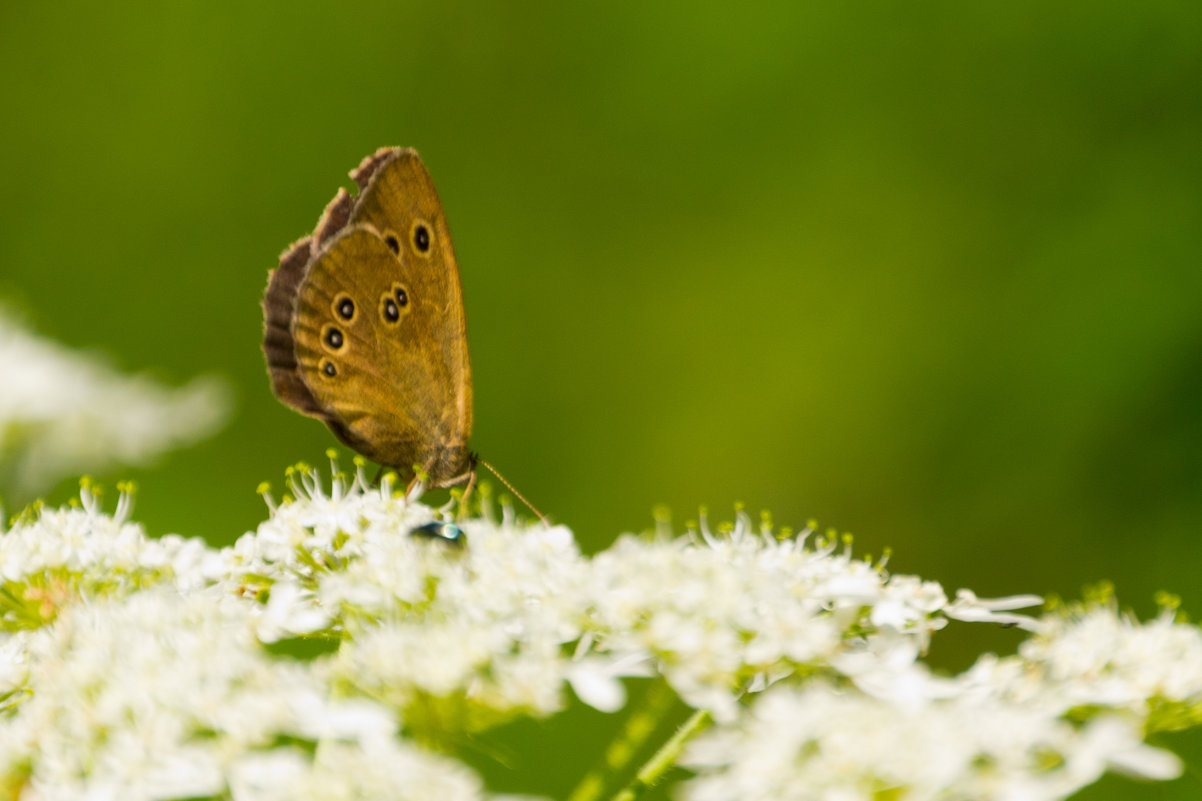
[[279, 307]]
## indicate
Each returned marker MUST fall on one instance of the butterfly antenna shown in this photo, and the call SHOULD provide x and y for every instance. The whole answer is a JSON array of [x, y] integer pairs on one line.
[[516, 494]]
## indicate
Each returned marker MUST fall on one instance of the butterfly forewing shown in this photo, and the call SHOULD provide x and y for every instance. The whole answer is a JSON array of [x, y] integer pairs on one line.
[[400, 201], [362, 332]]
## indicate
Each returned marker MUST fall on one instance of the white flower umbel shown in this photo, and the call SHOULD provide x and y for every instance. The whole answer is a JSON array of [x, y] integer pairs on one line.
[[722, 614], [329, 653], [1095, 657], [49, 557], [63, 413], [1077, 701], [157, 684], [475, 634], [822, 741], [167, 696]]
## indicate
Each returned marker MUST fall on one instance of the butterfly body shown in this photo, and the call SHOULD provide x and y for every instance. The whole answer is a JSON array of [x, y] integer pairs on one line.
[[364, 324]]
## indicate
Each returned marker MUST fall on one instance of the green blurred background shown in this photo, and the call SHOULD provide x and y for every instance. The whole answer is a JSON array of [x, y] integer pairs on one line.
[[927, 272]]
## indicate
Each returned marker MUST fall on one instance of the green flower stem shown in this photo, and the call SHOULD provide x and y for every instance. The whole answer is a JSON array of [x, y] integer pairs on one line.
[[638, 728], [665, 757]]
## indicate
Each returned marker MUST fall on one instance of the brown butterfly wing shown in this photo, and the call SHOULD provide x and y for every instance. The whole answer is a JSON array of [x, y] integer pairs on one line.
[[380, 344], [279, 305], [399, 200]]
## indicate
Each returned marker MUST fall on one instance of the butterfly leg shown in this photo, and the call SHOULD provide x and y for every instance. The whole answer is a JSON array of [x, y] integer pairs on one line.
[[467, 493], [419, 472]]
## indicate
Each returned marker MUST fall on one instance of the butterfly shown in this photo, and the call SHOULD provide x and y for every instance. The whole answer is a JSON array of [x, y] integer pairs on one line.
[[364, 326]]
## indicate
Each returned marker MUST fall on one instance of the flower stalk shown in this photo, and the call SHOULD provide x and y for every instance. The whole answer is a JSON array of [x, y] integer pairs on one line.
[[666, 757], [637, 730]]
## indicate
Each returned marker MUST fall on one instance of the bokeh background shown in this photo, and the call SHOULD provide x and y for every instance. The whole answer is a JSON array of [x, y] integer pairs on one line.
[[929, 273]]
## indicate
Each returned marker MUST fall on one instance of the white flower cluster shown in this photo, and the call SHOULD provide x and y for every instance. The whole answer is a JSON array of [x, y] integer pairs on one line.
[[725, 613], [335, 653], [1077, 701], [50, 556], [473, 634], [64, 413], [130, 670], [163, 696], [821, 741], [1095, 657]]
